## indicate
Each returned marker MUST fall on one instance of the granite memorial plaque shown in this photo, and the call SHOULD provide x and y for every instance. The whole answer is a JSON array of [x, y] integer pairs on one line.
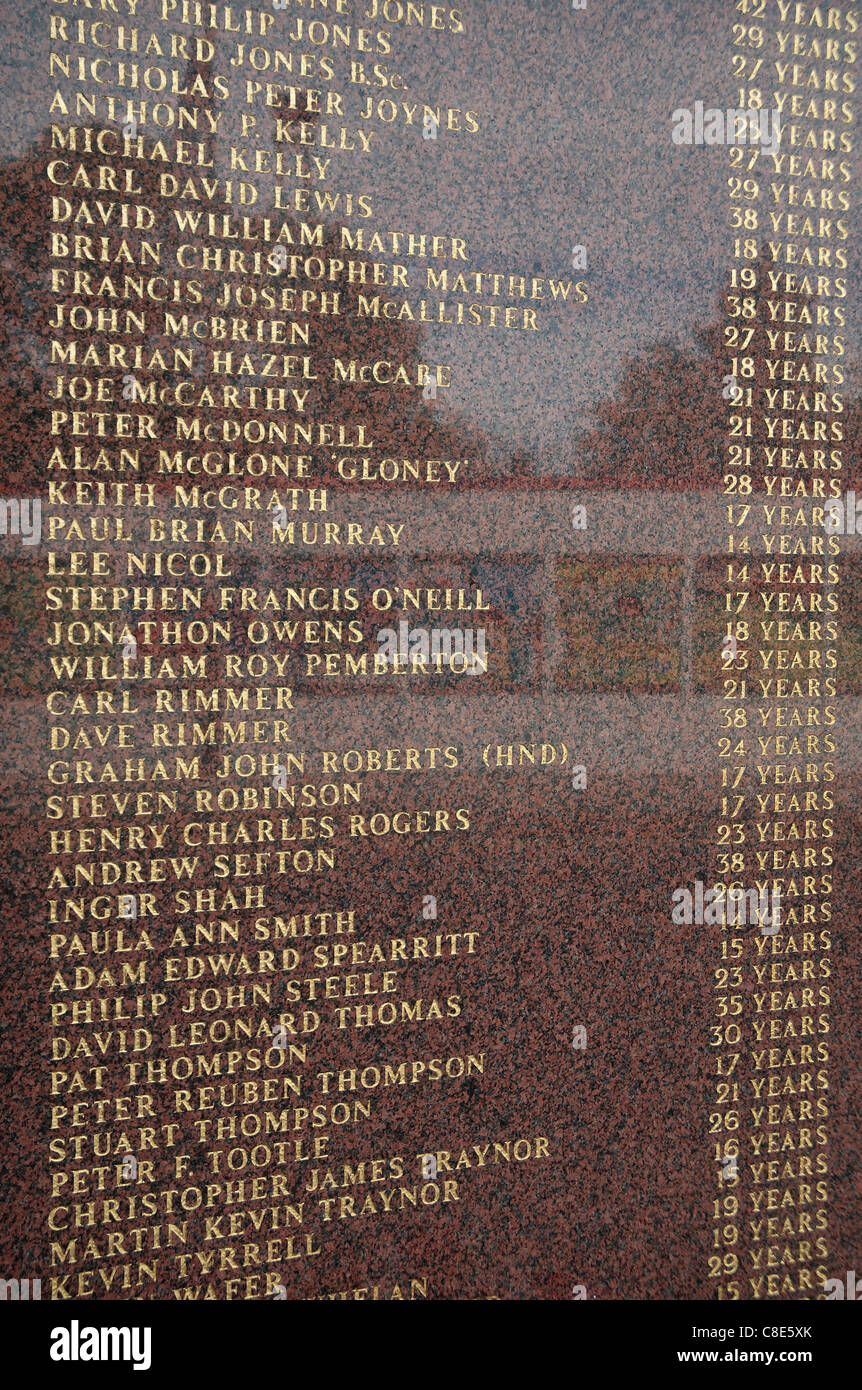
[[431, 651]]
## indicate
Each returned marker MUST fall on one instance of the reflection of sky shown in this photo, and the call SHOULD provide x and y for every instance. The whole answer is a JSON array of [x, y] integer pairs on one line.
[[574, 147]]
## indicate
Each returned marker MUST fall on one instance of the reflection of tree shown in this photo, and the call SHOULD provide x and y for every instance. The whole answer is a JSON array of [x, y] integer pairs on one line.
[[668, 424], [401, 423], [665, 426]]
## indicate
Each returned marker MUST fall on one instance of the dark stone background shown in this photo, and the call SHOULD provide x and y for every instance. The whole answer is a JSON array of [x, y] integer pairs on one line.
[[570, 892]]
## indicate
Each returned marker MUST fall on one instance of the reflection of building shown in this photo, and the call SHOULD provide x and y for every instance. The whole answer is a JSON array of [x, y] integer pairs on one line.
[[651, 578], [634, 602]]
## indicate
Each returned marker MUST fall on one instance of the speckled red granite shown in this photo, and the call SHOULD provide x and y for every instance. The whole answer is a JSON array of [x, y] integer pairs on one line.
[[569, 891]]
